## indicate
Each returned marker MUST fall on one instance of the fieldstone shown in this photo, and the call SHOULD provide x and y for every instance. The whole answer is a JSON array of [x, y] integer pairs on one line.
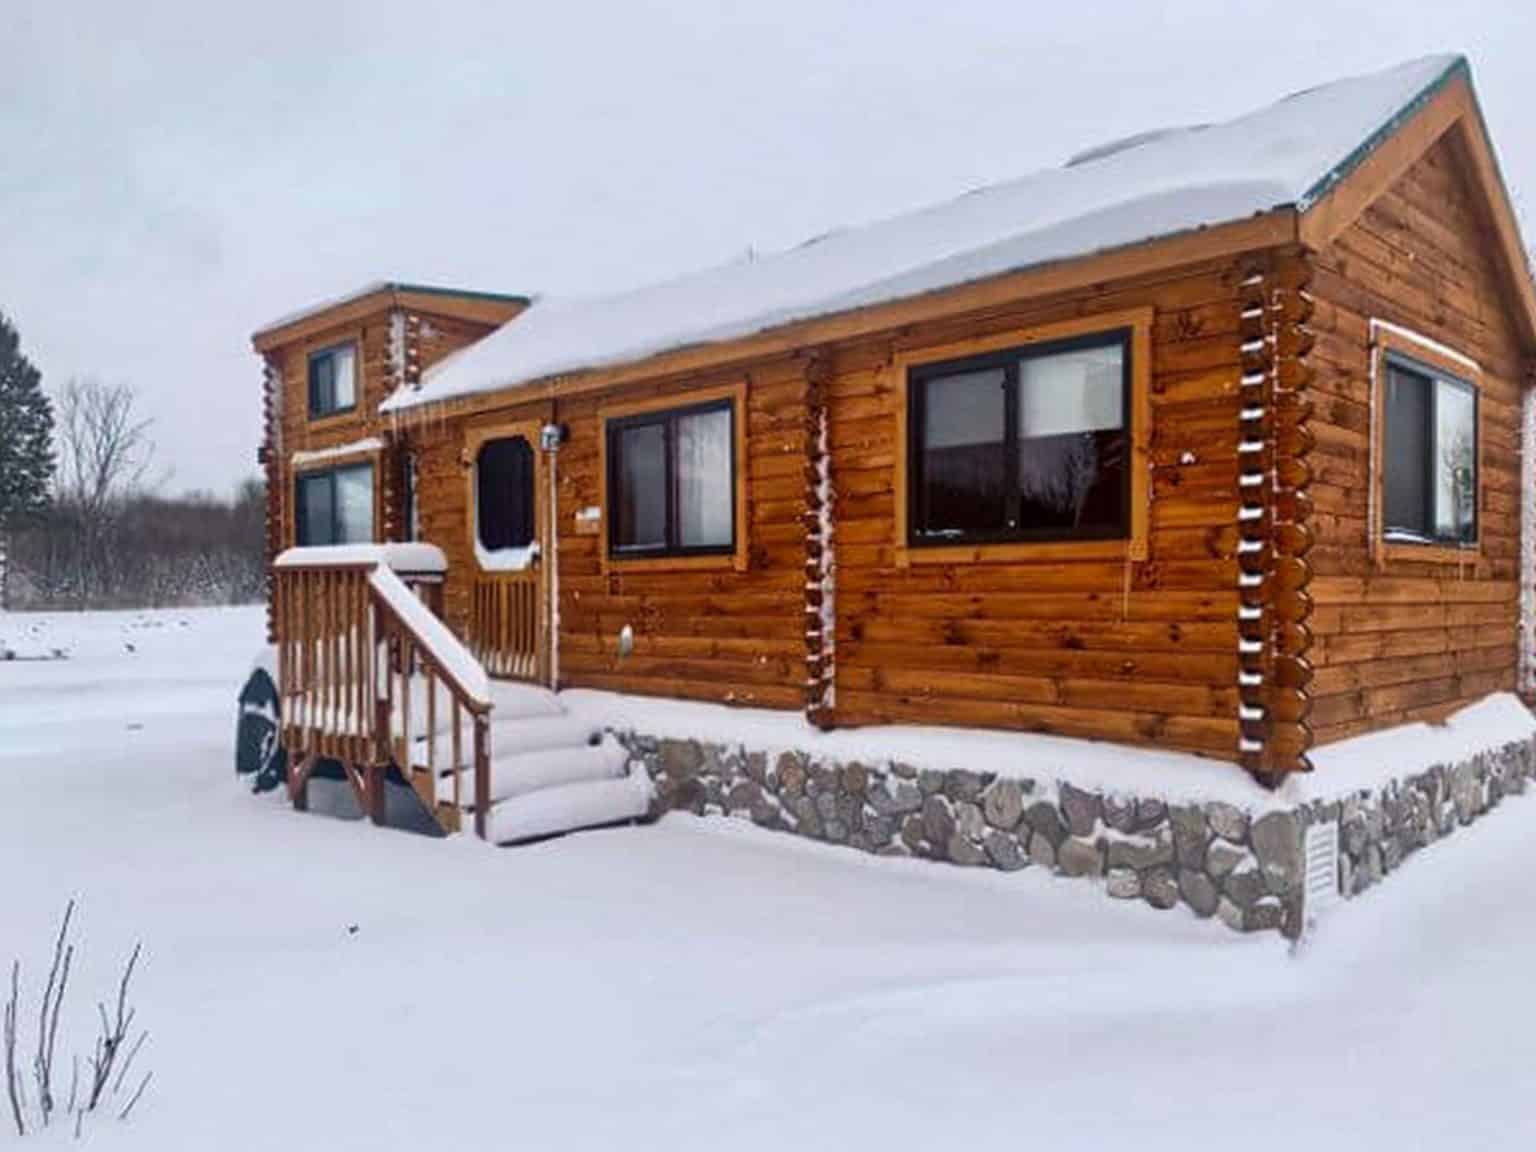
[[1221, 858], [791, 774], [836, 831], [879, 830], [1228, 822], [1190, 835], [1353, 837], [931, 781], [969, 821], [1141, 853], [1046, 821], [967, 786], [1245, 887], [1229, 914], [823, 779], [912, 832], [895, 798], [1042, 850], [807, 819], [1391, 854], [689, 795], [1265, 916], [855, 778], [938, 820], [1120, 813], [826, 804], [1277, 844], [1150, 814], [964, 851], [1079, 858], [1122, 884], [1159, 888], [903, 771], [680, 757], [1004, 851], [1198, 891], [743, 796], [1346, 875], [1373, 865], [756, 767], [1003, 804], [765, 813], [1081, 810]]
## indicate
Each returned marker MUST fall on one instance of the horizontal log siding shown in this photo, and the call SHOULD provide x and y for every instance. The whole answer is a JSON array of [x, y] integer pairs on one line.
[[437, 336], [1144, 653], [1411, 640], [714, 634]]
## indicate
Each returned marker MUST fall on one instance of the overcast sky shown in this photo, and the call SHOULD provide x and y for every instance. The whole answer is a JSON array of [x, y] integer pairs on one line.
[[173, 175]]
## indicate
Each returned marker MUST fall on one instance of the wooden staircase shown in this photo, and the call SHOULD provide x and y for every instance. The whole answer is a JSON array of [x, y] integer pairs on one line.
[[370, 678]]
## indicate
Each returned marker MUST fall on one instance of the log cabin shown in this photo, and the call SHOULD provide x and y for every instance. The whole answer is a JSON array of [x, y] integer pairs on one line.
[[1212, 439]]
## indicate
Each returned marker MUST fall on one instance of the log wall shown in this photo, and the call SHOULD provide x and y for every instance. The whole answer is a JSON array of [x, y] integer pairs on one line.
[[1407, 640]]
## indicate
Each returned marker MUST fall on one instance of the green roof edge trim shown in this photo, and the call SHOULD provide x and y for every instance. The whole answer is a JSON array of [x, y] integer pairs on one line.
[[434, 290], [1342, 170]]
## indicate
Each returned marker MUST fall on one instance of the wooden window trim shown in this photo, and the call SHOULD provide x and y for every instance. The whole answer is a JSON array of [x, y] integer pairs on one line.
[[737, 557], [1131, 547], [297, 472], [475, 438], [1388, 340], [325, 343]]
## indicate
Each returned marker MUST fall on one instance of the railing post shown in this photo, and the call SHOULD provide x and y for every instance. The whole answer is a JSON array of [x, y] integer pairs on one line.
[[482, 772]]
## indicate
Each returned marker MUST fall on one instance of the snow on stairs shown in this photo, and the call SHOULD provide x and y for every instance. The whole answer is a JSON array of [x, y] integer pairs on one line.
[[550, 773]]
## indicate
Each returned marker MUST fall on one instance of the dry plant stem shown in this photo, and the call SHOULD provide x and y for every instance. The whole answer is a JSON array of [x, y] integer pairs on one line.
[[113, 1033], [143, 1084], [10, 1049], [48, 1014], [122, 1073]]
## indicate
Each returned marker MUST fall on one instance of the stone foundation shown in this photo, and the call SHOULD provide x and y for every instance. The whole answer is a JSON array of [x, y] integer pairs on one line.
[[1213, 858]]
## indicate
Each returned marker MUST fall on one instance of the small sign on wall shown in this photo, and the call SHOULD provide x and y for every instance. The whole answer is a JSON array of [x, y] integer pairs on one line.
[[588, 520]]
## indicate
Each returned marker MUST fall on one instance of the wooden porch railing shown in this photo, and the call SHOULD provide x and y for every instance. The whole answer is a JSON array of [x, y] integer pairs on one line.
[[506, 624], [370, 678]]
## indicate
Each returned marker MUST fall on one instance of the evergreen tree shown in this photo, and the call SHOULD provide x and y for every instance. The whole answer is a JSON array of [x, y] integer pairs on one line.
[[26, 444]]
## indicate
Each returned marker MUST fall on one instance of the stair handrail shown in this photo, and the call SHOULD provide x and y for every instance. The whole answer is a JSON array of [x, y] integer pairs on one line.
[[445, 656]]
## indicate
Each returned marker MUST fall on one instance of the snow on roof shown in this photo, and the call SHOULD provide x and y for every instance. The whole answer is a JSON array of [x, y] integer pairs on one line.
[[370, 289], [1140, 188]]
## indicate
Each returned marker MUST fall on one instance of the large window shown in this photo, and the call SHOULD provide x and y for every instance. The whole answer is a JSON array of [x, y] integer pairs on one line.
[[1029, 443], [1429, 457], [504, 512], [672, 482], [332, 380], [335, 506]]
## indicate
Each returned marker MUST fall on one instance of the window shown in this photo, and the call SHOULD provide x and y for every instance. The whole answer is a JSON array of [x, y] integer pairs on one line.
[[335, 506], [504, 512], [1027, 443], [1429, 457], [332, 380], [672, 482]]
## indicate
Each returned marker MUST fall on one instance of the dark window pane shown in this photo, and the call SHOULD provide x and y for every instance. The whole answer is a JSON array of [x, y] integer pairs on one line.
[[332, 380], [706, 498], [321, 384], [964, 426], [1408, 446], [1072, 444], [315, 524], [640, 483], [1455, 462], [504, 508]]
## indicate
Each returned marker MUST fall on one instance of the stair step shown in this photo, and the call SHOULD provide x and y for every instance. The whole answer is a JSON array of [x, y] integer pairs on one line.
[[566, 808], [522, 773], [510, 735]]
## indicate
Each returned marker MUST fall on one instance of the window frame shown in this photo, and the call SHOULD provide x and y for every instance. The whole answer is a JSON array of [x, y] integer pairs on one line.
[[912, 366], [330, 349], [301, 476], [614, 418], [476, 435], [1392, 345]]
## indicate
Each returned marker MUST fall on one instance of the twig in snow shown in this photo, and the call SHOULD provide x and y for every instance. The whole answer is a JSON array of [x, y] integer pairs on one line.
[[143, 1084], [113, 1033], [128, 1062], [48, 1014], [10, 1049]]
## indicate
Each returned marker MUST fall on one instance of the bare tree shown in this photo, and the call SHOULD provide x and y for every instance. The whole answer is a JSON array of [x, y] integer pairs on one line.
[[106, 453]]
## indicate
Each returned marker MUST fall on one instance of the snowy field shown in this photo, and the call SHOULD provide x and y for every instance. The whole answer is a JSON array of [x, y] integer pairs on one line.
[[311, 983]]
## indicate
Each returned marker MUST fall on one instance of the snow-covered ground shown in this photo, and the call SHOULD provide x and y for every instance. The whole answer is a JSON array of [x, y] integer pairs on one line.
[[311, 983]]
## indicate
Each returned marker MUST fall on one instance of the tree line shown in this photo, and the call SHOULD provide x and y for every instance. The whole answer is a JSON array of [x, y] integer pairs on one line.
[[82, 521]]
